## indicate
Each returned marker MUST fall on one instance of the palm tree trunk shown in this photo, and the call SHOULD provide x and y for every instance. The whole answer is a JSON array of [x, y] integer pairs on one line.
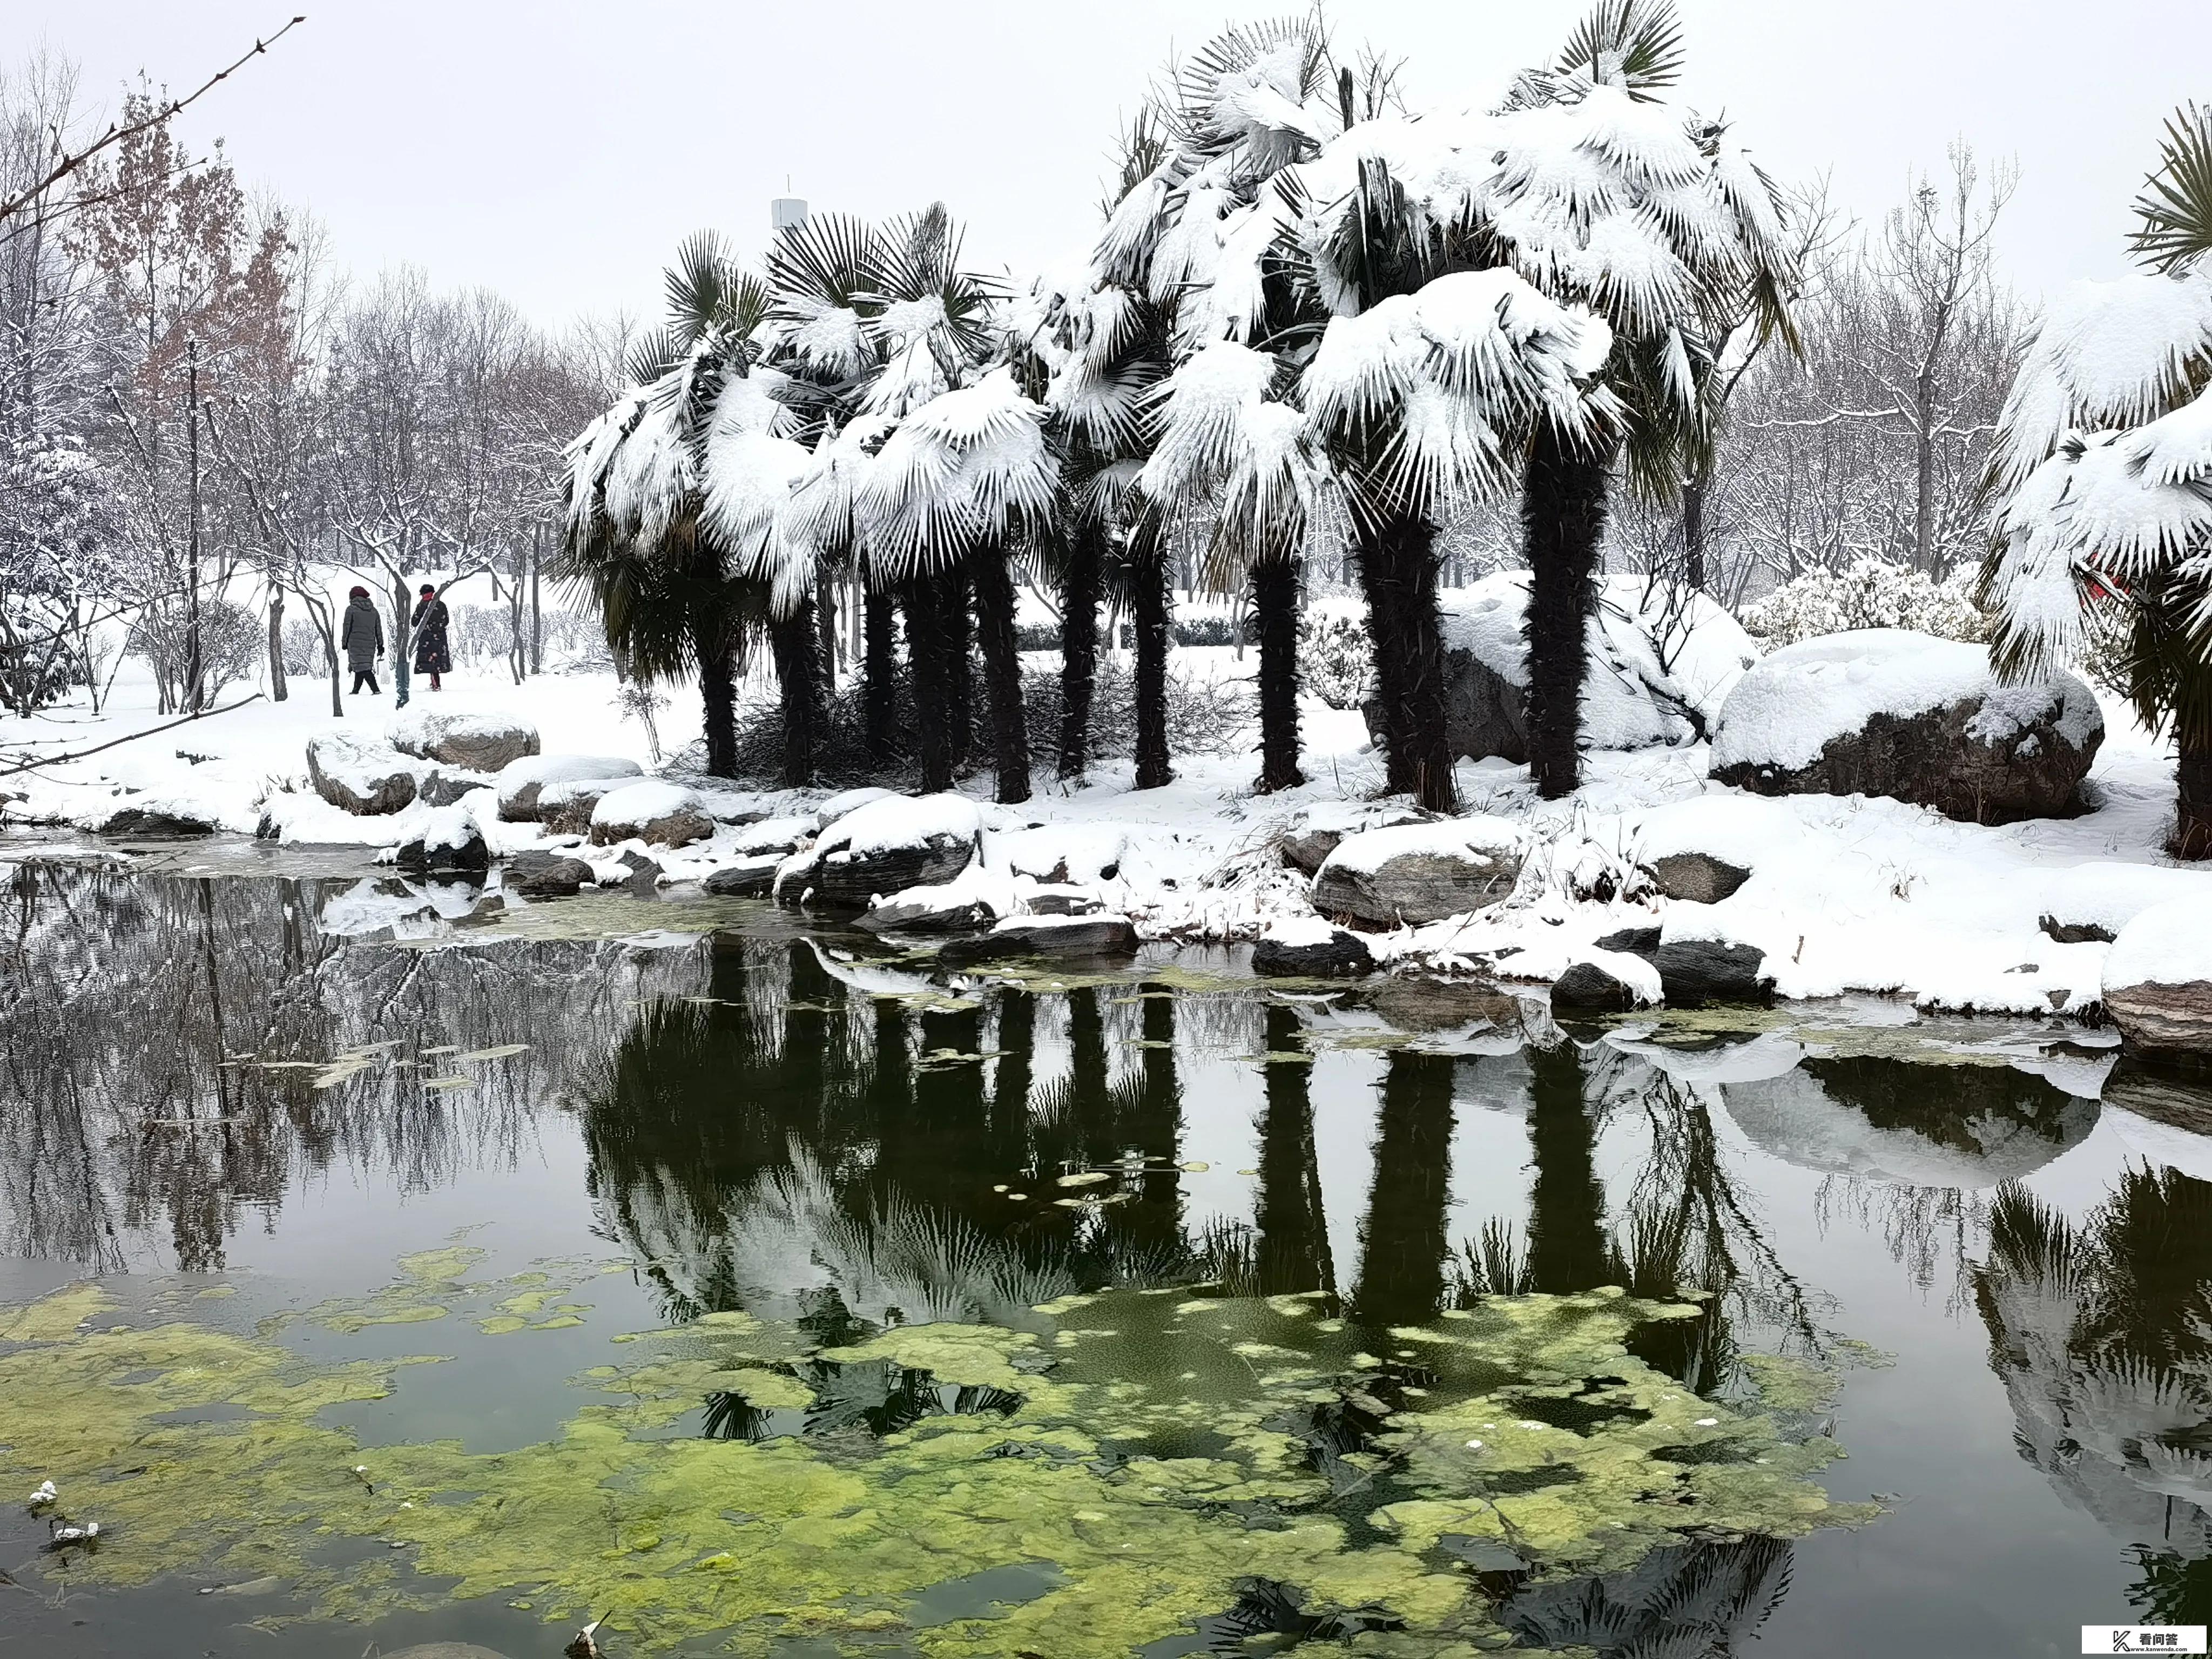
[[1149, 612], [1079, 643], [1002, 672], [1398, 571], [1693, 528], [2193, 825], [933, 692], [718, 694], [794, 641], [959, 643], [1275, 607], [879, 669], [1563, 510]]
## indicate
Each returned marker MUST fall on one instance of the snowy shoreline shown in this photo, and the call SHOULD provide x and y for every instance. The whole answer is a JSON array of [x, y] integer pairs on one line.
[[1847, 895]]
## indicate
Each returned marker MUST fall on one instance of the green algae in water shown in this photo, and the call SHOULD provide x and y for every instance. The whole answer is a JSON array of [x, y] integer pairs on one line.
[[1153, 1450]]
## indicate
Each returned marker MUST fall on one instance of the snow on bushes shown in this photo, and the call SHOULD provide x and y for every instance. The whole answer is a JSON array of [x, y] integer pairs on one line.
[[1871, 592]]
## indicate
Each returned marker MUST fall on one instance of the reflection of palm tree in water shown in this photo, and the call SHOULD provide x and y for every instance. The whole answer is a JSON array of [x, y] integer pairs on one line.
[[1401, 1265], [2102, 1336], [1290, 1253]]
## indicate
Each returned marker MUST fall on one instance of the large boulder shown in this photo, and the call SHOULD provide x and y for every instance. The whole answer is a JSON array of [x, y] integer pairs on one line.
[[2158, 981], [480, 743], [519, 781], [1019, 938], [651, 811], [1884, 711], [540, 874], [1420, 873], [1313, 834], [1306, 947], [360, 776], [450, 844], [882, 848], [1661, 661]]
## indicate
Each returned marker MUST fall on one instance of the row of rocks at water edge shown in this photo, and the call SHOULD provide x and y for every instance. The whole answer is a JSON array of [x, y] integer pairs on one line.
[[1890, 712], [370, 780], [1412, 874]]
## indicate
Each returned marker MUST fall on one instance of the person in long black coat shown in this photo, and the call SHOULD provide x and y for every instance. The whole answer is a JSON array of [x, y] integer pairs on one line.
[[361, 638], [432, 655]]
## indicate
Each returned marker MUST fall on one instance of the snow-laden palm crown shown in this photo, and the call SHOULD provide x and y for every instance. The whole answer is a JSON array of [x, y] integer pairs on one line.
[[2101, 479], [1407, 312]]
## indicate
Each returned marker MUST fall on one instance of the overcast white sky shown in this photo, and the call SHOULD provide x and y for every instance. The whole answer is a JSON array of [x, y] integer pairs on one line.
[[557, 151]]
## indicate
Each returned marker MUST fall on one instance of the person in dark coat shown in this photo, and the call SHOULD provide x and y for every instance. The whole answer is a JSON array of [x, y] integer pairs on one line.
[[361, 638], [432, 654]]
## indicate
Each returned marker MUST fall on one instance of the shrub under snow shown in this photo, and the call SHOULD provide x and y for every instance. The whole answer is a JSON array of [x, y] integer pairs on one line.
[[1871, 592]]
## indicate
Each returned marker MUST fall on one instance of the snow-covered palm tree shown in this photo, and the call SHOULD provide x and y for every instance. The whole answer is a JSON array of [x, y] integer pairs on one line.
[[2101, 478], [956, 488], [635, 535], [1655, 219]]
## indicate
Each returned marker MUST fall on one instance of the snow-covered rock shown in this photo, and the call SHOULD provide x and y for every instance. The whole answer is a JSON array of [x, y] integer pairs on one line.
[[442, 786], [565, 807], [1313, 833], [449, 843], [776, 835], [1420, 872], [1607, 981], [360, 776], [1885, 711], [479, 741], [2157, 980], [1019, 937], [2093, 902], [1306, 947], [1704, 848], [156, 821], [883, 847], [848, 800], [519, 780], [1661, 659], [1700, 960], [1059, 853], [660, 813]]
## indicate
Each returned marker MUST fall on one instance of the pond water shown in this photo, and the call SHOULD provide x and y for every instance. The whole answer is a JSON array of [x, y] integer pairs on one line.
[[380, 1266]]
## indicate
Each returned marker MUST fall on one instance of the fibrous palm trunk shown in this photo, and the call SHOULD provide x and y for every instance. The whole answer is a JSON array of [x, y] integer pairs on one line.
[[878, 668], [718, 695], [933, 699], [959, 644], [1398, 573], [2193, 825], [796, 645], [1079, 643], [1563, 508], [1275, 608], [1002, 672], [1149, 614]]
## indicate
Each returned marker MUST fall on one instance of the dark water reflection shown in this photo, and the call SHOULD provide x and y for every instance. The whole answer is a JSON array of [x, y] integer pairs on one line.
[[775, 1124]]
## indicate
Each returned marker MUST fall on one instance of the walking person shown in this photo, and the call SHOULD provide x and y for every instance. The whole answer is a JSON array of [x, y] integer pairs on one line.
[[432, 654], [362, 641]]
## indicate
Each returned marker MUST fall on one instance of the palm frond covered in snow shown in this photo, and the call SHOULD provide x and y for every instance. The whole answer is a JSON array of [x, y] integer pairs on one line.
[[2100, 477], [963, 472]]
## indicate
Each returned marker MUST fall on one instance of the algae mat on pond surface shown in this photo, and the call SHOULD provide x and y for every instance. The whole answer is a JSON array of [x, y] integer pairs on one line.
[[1142, 1463]]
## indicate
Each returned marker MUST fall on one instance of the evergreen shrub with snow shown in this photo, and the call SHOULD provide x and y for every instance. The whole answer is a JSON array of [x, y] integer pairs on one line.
[[1336, 657], [1870, 592]]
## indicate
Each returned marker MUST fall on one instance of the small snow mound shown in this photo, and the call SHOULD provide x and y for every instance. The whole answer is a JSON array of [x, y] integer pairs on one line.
[[2170, 944], [1476, 838], [1298, 931], [2091, 900], [1639, 976], [850, 801], [1744, 830], [448, 828], [640, 803]]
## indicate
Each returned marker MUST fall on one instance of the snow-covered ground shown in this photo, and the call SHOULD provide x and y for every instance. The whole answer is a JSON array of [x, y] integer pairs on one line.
[[1847, 894]]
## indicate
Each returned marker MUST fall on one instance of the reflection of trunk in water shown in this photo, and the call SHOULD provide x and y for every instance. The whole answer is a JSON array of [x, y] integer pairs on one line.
[[1566, 1203], [1290, 1253], [1401, 1265]]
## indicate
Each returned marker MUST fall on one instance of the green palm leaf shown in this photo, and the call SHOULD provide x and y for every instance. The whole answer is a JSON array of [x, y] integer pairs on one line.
[[2176, 206]]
